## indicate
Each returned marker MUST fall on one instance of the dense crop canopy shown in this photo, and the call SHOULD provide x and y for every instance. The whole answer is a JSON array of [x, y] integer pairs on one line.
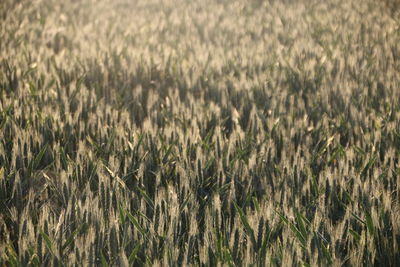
[[213, 132]]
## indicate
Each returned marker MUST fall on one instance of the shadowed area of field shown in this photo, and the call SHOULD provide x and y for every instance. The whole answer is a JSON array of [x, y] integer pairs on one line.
[[172, 132]]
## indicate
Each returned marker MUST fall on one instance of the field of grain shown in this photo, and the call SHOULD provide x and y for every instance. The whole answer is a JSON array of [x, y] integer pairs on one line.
[[204, 133]]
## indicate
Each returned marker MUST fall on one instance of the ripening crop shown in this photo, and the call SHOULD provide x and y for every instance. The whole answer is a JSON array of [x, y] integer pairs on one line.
[[201, 133]]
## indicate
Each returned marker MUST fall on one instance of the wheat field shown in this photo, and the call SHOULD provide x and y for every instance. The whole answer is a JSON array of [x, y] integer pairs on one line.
[[201, 133]]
